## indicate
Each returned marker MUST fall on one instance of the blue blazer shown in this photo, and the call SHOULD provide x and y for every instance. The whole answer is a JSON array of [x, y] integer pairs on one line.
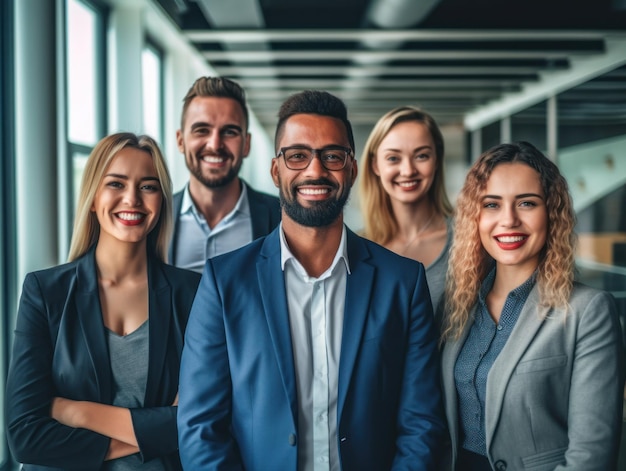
[[238, 403], [264, 212], [60, 349]]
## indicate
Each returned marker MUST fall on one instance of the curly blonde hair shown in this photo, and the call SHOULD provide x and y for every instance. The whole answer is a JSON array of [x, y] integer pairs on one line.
[[86, 226], [379, 220], [469, 262]]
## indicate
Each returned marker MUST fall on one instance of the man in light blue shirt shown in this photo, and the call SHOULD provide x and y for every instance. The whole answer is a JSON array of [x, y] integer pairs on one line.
[[311, 349], [216, 212]]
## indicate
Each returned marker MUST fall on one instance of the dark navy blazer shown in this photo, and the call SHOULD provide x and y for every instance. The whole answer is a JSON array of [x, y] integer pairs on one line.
[[238, 400], [60, 349]]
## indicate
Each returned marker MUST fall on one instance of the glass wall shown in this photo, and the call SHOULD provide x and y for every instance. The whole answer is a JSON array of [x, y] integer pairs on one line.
[[7, 213], [85, 54], [152, 90]]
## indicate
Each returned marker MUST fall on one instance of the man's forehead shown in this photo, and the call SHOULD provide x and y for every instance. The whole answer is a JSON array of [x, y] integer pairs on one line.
[[313, 127]]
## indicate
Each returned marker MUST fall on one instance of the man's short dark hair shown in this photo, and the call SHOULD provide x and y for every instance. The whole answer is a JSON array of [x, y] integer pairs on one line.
[[313, 102], [220, 87]]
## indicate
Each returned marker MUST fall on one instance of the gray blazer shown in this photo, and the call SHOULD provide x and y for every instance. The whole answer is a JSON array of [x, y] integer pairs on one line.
[[554, 394]]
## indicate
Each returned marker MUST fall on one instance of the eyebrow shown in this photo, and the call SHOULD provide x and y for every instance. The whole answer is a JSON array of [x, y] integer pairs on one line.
[[417, 149], [125, 177], [207, 125], [521, 196]]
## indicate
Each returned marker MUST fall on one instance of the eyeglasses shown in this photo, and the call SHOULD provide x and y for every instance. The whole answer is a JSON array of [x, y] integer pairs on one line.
[[299, 157]]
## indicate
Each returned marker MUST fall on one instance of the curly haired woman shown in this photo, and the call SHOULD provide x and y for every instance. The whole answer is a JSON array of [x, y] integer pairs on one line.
[[533, 361]]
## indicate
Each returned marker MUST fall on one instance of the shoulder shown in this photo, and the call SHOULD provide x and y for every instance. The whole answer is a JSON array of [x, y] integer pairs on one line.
[[582, 295], [180, 274], [54, 278], [178, 195], [258, 196], [241, 263], [384, 259]]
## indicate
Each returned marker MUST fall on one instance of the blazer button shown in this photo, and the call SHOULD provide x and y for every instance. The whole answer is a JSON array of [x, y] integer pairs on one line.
[[292, 439], [500, 465]]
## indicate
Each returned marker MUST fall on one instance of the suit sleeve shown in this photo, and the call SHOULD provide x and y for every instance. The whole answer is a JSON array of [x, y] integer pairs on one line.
[[205, 389], [421, 424], [155, 430], [596, 392], [33, 436]]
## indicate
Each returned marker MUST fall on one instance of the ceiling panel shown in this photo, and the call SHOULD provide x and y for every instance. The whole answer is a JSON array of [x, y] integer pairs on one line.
[[459, 60]]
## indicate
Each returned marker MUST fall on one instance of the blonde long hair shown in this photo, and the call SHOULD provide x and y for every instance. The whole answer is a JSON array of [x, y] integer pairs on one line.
[[380, 222], [469, 262], [86, 225]]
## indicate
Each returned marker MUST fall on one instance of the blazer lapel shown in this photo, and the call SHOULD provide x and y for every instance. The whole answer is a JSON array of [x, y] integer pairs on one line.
[[529, 322], [176, 205], [160, 296], [274, 299], [358, 291], [89, 313]]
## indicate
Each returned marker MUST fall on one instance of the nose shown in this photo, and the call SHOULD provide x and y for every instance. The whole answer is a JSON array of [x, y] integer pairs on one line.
[[407, 168], [315, 166], [510, 217], [132, 197], [214, 141]]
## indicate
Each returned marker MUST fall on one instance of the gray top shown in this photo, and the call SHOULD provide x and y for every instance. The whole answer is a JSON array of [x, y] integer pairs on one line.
[[436, 271], [129, 370]]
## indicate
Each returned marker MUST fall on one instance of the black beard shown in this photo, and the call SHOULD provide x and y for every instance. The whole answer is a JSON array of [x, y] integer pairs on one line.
[[321, 213]]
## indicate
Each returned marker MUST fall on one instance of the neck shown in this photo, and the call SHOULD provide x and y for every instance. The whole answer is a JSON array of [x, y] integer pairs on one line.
[[413, 219], [118, 261], [215, 203], [510, 277], [313, 247]]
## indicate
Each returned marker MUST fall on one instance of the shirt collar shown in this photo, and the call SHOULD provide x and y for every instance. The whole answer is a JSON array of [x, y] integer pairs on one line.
[[521, 291], [242, 206], [342, 254]]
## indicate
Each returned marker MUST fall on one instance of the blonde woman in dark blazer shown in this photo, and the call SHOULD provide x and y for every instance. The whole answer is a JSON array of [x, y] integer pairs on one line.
[[93, 381], [533, 361]]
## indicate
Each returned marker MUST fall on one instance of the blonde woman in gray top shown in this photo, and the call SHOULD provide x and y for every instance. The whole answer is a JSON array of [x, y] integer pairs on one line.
[[404, 203]]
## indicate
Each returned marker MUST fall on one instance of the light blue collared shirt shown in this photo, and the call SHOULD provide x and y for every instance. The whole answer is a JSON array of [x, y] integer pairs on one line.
[[316, 308], [196, 241]]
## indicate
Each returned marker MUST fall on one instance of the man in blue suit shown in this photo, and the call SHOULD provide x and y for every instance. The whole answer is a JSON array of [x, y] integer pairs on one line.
[[311, 348]]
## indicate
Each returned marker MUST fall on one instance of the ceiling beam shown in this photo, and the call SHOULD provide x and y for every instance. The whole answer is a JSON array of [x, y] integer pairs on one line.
[[551, 83], [443, 35], [377, 56], [367, 71], [411, 84]]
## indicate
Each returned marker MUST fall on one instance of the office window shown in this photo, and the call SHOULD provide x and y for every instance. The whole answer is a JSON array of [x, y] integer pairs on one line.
[[152, 84], [7, 208], [85, 84]]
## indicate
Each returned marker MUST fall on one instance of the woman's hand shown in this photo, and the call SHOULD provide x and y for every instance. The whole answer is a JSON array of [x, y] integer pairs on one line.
[[118, 449]]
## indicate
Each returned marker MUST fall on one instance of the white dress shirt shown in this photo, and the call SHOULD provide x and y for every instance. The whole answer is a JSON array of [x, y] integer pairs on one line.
[[316, 308], [196, 241]]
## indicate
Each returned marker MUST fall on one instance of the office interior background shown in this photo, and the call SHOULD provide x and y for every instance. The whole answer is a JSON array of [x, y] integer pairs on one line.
[[551, 72]]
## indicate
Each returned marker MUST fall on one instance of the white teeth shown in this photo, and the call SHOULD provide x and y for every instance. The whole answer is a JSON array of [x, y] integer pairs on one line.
[[407, 184], [311, 191], [212, 160], [510, 239], [130, 216]]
